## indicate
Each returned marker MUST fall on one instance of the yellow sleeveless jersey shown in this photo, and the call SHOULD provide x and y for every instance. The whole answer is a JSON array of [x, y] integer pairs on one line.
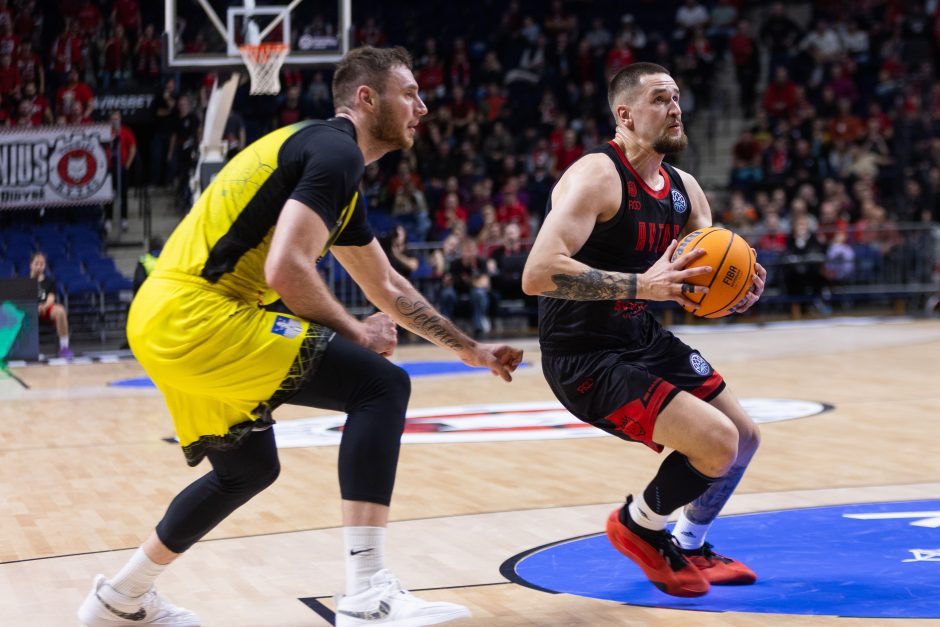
[[225, 238], [222, 362]]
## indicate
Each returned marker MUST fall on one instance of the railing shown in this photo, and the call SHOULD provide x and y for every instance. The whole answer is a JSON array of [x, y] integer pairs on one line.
[[896, 266]]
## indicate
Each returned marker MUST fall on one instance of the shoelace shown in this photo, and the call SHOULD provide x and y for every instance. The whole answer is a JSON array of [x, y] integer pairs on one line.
[[393, 586], [709, 554], [669, 548]]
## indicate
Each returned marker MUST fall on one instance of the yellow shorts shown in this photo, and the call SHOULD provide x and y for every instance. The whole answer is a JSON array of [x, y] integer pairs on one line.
[[223, 364]]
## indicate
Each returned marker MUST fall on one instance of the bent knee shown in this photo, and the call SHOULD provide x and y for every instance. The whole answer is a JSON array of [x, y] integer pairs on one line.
[[722, 448], [272, 472], [392, 384], [258, 478], [749, 438]]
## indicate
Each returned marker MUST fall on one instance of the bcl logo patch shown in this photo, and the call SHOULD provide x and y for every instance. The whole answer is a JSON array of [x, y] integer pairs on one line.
[[699, 364], [679, 203]]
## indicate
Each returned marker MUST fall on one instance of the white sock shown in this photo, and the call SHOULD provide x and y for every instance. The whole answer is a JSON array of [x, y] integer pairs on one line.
[[137, 576], [643, 515], [690, 535], [64, 342], [365, 556]]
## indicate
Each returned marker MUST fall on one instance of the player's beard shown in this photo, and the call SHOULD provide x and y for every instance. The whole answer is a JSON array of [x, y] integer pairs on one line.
[[666, 145], [387, 130]]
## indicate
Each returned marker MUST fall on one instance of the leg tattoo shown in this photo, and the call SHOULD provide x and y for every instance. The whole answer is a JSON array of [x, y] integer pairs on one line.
[[704, 509]]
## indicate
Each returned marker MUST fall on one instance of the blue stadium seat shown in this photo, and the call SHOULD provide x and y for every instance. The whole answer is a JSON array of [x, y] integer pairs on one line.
[[116, 282], [80, 286], [99, 266]]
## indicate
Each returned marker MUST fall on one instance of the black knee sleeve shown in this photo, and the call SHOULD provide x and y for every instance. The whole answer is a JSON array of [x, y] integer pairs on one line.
[[676, 484], [237, 475], [374, 393], [368, 453]]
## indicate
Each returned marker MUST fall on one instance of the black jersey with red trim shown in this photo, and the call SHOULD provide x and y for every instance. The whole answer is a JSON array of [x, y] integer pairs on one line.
[[638, 234]]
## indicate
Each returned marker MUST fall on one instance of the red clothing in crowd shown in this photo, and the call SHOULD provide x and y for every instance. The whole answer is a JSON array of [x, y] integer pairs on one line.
[[565, 156], [89, 19], [128, 141], [776, 242], [38, 107], [78, 92], [514, 211], [127, 13], [114, 54], [9, 79], [779, 99], [29, 67], [66, 53], [148, 56], [617, 59], [431, 76], [24, 24], [742, 48]]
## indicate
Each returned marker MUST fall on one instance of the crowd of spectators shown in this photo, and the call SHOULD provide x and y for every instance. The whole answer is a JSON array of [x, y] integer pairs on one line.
[[843, 138], [835, 173]]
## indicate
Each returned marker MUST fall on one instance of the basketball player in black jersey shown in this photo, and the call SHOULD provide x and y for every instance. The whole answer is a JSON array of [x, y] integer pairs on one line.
[[603, 252], [235, 320]]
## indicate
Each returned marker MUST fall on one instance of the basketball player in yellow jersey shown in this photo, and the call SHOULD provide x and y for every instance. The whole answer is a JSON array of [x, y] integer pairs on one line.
[[603, 252], [235, 320]]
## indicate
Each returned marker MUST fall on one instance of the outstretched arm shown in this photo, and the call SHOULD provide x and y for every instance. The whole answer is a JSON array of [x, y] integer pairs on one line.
[[395, 295]]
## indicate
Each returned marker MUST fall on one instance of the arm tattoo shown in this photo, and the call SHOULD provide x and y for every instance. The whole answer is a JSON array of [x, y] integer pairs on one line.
[[594, 285], [705, 508], [423, 320]]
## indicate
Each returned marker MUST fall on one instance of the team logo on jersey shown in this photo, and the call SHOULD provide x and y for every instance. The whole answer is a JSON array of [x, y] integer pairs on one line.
[[79, 167], [699, 364], [288, 327], [678, 201]]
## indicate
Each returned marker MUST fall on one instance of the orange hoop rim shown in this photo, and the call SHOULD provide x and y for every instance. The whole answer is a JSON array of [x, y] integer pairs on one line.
[[257, 51]]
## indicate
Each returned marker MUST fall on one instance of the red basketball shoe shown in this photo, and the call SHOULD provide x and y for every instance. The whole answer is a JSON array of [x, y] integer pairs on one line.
[[660, 558], [718, 569]]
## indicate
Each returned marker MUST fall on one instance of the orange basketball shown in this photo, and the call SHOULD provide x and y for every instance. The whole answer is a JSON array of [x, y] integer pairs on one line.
[[732, 262]]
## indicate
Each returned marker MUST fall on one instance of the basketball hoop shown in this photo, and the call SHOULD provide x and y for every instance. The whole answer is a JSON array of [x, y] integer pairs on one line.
[[264, 63]]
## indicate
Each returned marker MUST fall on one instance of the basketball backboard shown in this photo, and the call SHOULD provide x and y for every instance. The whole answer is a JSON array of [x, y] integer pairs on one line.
[[205, 35]]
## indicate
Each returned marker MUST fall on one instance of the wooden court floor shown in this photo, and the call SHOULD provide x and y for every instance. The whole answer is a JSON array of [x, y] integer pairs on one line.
[[85, 473]]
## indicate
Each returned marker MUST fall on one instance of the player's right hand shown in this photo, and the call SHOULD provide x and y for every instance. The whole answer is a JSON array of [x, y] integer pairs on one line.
[[380, 334], [668, 280]]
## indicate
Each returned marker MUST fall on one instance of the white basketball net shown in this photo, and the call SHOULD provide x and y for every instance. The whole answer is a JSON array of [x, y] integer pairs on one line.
[[264, 63]]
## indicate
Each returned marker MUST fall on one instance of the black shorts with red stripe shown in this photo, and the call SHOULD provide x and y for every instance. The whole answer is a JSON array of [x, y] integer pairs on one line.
[[622, 390]]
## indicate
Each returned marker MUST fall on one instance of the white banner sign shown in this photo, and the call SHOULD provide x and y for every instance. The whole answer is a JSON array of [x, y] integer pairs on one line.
[[55, 166]]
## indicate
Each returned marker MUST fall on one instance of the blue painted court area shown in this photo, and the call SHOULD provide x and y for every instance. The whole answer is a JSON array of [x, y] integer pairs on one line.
[[880, 560], [413, 368]]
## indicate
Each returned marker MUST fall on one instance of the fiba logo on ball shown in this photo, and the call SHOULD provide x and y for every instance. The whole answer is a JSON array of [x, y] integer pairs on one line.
[[678, 201], [78, 167], [699, 364]]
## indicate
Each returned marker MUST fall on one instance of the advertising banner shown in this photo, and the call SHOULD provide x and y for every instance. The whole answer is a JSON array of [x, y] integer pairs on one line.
[[51, 166]]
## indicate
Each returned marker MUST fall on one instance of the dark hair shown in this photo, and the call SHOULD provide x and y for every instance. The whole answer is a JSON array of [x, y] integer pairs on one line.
[[38, 253], [365, 66], [628, 78]]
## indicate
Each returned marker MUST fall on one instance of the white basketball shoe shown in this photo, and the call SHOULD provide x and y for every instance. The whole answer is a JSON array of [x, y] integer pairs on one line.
[[106, 607], [385, 603]]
